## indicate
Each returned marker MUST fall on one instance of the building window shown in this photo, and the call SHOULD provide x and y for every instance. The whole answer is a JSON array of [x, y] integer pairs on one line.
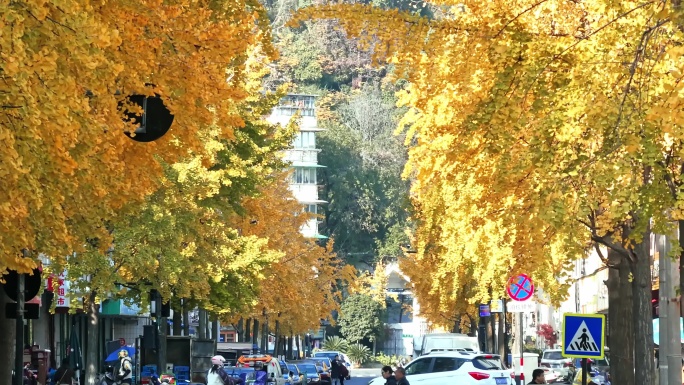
[[304, 175], [305, 140], [227, 337], [311, 209]]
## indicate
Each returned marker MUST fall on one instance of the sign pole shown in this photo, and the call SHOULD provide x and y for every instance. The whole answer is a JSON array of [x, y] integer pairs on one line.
[[521, 344], [584, 371], [19, 352]]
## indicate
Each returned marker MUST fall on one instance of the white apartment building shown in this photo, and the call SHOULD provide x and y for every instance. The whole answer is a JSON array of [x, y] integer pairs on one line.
[[303, 155]]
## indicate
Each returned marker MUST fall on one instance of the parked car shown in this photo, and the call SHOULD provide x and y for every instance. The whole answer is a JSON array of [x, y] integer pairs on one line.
[[330, 354], [295, 371], [553, 359], [550, 375], [601, 365], [324, 364], [456, 367], [270, 365], [311, 373]]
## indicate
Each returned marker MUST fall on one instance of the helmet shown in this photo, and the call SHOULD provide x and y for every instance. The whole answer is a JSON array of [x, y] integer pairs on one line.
[[123, 353], [218, 360]]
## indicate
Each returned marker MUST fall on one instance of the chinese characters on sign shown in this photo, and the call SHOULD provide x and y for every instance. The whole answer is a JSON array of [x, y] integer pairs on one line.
[[61, 293]]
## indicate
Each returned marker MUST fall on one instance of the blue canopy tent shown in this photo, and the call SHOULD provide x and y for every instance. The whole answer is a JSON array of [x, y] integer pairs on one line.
[[656, 330]]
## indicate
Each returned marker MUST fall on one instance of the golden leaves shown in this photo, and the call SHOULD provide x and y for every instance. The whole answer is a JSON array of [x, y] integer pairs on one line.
[[65, 164], [528, 121]]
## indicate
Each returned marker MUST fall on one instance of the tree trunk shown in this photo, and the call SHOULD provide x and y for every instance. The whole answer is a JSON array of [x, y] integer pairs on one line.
[[299, 347], [202, 332], [501, 343], [276, 349], [681, 264], [163, 327], [7, 342], [642, 312], [457, 326], [186, 319], [215, 329], [620, 321], [255, 333], [490, 333], [91, 359], [177, 320], [239, 329], [289, 346], [248, 330], [264, 337]]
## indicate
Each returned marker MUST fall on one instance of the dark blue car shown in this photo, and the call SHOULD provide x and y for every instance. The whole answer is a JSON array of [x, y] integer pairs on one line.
[[295, 370], [311, 373]]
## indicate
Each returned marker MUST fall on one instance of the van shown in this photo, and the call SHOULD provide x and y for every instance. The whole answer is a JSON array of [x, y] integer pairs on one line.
[[269, 364], [437, 342]]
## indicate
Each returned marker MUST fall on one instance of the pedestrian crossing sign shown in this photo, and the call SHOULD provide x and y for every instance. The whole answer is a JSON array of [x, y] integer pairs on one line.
[[584, 335]]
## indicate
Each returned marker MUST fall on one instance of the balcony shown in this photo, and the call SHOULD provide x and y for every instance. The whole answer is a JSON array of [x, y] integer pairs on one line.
[[307, 123], [310, 228], [305, 192], [302, 155]]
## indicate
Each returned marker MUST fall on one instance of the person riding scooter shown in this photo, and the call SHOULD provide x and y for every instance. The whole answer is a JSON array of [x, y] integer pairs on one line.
[[108, 378]]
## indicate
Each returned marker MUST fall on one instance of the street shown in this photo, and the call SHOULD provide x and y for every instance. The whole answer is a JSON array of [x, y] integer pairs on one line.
[[362, 376]]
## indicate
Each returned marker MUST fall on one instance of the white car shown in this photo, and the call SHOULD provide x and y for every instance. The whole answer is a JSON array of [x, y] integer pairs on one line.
[[457, 368]]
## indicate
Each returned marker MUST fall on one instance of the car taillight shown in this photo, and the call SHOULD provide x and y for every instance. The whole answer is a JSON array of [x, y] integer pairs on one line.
[[512, 374], [479, 376]]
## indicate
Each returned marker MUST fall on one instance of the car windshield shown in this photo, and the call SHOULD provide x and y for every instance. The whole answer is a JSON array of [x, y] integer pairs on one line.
[[308, 368], [292, 368], [555, 355]]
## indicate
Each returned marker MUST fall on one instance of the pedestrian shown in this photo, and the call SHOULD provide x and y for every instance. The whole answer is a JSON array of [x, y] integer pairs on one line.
[[388, 375], [344, 372], [291, 378], [125, 374], [217, 374], [335, 371], [64, 374], [538, 377], [400, 375]]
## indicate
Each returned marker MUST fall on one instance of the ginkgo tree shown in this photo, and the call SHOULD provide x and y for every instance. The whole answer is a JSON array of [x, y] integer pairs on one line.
[[538, 128], [67, 166], [303, 285]]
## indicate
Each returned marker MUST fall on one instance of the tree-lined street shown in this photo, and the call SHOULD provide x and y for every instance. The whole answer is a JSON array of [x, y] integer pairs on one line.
[[460, 144]]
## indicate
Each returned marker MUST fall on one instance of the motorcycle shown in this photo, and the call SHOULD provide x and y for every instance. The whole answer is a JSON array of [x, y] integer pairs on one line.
[[108, 378], [166, 380]]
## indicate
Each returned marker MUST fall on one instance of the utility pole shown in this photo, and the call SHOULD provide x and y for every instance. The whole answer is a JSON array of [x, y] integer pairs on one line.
[[670, 355]]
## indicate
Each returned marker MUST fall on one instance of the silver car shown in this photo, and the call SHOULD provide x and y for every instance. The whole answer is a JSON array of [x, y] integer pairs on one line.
[[553, 359]]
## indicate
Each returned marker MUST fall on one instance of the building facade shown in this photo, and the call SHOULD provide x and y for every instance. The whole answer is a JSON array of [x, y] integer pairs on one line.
[[303, 155], [403, 324]]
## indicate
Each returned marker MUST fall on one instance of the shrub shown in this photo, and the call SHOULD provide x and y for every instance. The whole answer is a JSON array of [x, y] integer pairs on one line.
[[358, 353], [336, 343], [386, 360]]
